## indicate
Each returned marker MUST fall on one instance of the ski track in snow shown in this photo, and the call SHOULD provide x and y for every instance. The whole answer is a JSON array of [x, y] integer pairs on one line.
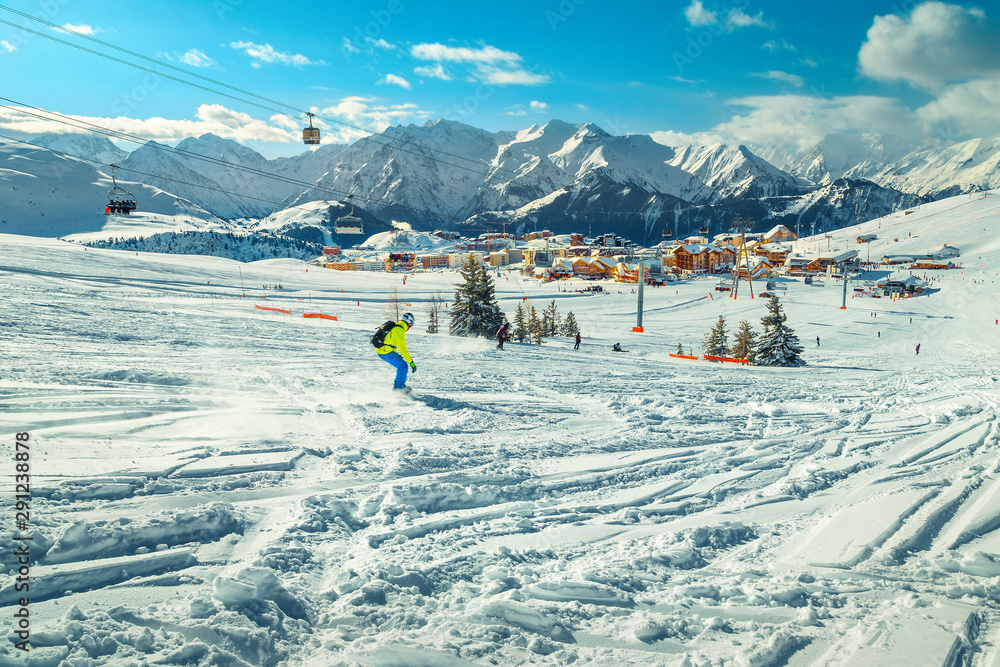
[[213, 485]]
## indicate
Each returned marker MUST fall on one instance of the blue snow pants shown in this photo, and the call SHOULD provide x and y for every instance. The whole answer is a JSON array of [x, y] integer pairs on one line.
[[396, 359]]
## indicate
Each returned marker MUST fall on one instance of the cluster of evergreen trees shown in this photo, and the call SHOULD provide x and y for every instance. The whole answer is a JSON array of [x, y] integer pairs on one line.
[[475, 311], [776, 346], [241, 247]]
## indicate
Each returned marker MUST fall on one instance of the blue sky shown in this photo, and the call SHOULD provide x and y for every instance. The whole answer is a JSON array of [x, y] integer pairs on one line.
[[757, 71]]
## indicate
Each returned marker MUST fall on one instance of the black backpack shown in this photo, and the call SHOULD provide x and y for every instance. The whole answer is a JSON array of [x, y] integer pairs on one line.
[[378, 338]]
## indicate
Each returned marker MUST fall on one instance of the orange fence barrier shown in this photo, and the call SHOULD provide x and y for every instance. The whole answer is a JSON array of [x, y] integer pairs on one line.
[[684, 356], [320, 316], [273, 310], [734, 361]]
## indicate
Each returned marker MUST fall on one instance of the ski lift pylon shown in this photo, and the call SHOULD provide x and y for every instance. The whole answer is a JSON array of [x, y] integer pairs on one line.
[[120, 201], [310, 135], [349, 224]]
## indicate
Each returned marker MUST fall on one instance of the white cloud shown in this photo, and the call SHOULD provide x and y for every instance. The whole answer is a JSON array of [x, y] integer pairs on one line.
[[698, 16], [462, 54], [491, 65], [265, 53], [774, 45], [671, 138], [970, 109], [212, 118], [193, 58], [583, 107], [506, 77], [738, 19], [784, 77], [348, 45], [935, 44], [367, 116], [82, 29], [803, 120], [436, 71], [393, 80], [285, 121], [380, 44], [8, 47], [516, 110], [539, 107]]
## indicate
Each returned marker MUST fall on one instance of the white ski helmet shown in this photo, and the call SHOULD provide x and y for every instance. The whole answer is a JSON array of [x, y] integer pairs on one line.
[[408, 318]]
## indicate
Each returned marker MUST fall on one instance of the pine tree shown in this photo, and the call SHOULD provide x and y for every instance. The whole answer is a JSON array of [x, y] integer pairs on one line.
[[716, 341], [570, 328], [535, 333], [745, 342], [520, 325], [475, 311], [779, 346], [550, 320]]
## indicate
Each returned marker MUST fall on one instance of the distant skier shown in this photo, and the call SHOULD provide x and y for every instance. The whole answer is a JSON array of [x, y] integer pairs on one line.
[[576, 346], [502, 334], [817, 341], [617, 347], [918, 348], [393, 351]]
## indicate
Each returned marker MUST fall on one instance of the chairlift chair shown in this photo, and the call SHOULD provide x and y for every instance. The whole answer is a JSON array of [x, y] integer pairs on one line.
[[668, 233], [703, 230], [349, 224], [310, 135], [120, 201]]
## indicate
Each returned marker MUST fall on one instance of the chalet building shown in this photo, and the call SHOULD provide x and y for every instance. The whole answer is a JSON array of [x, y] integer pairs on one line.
[[775, 253], [703, 258], [778, 234], [760, 268]]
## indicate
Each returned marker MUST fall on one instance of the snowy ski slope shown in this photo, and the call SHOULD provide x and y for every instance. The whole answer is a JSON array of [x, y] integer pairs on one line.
[[214, 484]]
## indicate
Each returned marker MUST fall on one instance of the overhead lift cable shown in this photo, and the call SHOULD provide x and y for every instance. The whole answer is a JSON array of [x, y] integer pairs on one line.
[[284, 107]]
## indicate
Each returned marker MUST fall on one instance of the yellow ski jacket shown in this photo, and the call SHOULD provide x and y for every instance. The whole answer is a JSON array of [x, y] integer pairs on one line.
[[396, 340]]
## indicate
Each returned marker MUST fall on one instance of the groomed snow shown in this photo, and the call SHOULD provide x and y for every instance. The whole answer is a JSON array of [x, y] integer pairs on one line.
[[215, 484]]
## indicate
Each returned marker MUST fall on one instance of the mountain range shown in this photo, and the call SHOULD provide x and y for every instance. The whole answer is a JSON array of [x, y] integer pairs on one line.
[[446, 174]]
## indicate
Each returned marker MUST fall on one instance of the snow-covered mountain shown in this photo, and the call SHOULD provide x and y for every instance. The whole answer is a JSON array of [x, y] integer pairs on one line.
[[559, 176], [231, 180], [90, 147], [44, 193]]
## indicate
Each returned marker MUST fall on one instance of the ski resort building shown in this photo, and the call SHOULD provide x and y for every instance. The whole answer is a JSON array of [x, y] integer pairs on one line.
[[778, 234]]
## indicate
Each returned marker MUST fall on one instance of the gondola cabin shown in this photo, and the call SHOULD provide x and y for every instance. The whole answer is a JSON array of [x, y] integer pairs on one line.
[[310, 135]]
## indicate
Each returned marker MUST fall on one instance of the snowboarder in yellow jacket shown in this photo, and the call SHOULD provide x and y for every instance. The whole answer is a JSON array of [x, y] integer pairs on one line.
[[394, 352]]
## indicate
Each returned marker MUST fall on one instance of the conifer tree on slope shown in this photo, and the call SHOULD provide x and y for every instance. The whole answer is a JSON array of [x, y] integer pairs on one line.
[[520, 325], [779, 346], [570, 327], [535, 334], [475, 311], [745, 342], [550, 320], [716, 341]]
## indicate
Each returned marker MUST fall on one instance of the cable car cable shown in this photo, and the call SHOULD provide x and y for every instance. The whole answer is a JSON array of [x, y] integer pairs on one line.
[[284, 106]]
